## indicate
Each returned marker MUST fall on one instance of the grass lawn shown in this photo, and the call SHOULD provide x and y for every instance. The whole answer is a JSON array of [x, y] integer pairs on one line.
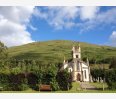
[[75, 89], [100, 85]]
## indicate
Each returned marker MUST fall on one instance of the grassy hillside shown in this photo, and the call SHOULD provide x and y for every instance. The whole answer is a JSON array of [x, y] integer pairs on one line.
[[54, 51]]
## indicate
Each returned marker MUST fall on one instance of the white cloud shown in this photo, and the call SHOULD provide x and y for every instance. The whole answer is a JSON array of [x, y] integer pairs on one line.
[[103, 19], [107, 17], [64, 17], [85, 18], [32, 27], [59, 17], [113, 38], [13, 25], [88, 12]]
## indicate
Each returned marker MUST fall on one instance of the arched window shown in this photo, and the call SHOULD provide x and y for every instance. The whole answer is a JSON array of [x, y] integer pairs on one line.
[[76, 56]]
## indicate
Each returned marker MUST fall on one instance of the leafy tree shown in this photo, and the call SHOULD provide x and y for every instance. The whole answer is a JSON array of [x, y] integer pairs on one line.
[[64, 80], [113, 63], [3, 51], [110, 77], [16, 70], [18, 82], [97, 73]]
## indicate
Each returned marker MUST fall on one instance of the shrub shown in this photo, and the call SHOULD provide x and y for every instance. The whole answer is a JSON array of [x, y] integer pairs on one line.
[[97, 73], [54, 85], [64, 80], [4, 79], [110, 77], [33, 81], [113, 63], [18, 82]]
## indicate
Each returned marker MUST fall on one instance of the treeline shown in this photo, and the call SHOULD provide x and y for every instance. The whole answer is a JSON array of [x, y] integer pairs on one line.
[[97, 60], [26, 65], [18, 75], [106, 75], [23, 77]]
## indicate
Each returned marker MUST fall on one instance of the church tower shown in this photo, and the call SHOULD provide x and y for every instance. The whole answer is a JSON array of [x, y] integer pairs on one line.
[[76, 54], [76, 51]]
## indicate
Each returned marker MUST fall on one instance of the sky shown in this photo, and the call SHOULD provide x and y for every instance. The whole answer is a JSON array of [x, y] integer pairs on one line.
[[25, 24]]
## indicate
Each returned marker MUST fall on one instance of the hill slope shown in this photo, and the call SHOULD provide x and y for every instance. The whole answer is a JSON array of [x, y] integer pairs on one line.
[[54, 51]]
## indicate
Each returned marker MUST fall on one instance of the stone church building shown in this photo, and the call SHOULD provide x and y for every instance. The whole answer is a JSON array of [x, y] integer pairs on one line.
[[79, 69]]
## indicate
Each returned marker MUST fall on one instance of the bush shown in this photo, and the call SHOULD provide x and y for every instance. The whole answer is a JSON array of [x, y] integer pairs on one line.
[[113, 63], [64, 80], [97, 73], [54, 85], [33, 81], [111, 79], [4, 81], [18, 82]]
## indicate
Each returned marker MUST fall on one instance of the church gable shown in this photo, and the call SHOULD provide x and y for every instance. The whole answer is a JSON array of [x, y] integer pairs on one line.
[[84, 64]]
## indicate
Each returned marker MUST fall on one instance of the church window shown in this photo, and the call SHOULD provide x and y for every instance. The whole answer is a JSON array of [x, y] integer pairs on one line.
[[76, 56], [85, 74]]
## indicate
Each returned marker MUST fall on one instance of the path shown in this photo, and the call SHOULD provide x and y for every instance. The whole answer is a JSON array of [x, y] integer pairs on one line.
[[87, 85]]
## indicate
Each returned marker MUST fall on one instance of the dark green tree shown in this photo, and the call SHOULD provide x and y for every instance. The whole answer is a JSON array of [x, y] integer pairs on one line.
[[113, 63], [64, 80], [110, 77], [3, 51]]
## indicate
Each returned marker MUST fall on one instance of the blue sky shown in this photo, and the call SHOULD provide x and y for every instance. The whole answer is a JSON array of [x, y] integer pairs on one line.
[[96, 25], [100, 34]]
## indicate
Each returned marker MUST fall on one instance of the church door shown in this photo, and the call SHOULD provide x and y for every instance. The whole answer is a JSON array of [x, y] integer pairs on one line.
[[78, 77]]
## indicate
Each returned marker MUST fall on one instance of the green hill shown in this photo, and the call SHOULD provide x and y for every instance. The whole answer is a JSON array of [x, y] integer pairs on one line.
[[54, 51]]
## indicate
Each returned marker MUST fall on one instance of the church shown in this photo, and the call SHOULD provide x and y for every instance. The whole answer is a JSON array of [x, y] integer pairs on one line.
[[79, 69]]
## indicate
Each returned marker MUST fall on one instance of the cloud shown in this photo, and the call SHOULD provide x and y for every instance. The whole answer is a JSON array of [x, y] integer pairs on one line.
[[113, 38], [102, 20], [14, 21], [13, 25], [88, 12], [84, 18], [58, 17], [66, 17]]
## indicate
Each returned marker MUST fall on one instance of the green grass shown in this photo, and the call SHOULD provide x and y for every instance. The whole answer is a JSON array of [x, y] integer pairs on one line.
[[75, 89], [54, 51], [99, 85]]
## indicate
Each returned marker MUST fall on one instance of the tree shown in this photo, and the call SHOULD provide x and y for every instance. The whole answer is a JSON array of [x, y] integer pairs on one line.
[[110, 77], [64, 80], [3, 51], [97, 73], [113, 63]]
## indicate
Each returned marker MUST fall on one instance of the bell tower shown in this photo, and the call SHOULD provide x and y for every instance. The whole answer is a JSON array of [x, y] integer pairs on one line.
[[76, 51], [76, 54]]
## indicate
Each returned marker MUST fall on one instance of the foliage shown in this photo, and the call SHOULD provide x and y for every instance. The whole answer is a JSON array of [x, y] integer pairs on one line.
[[64, 80], [113, 63], [97, 74], [4, 78], [111, 79], [14, 82], [38, 63], [3, 51], [54, 84], [16, 70], [33, 81], [18, 82]]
